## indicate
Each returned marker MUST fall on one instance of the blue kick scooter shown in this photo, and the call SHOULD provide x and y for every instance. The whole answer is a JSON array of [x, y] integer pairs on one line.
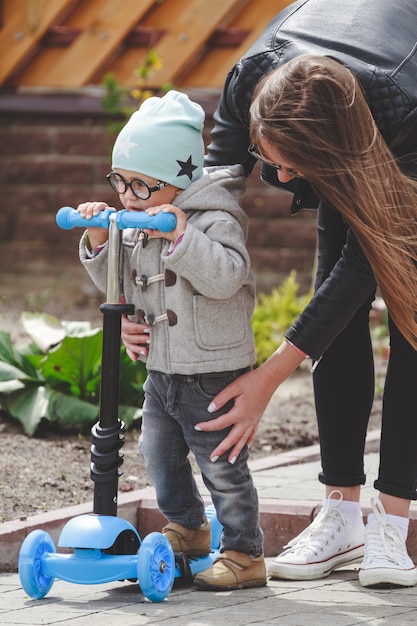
[[105, 547]]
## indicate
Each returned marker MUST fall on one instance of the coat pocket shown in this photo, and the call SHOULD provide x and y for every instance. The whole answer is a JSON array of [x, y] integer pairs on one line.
[[220, 324]]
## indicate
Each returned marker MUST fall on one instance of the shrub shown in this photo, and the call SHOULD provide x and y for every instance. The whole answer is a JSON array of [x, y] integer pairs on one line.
[[273, 315], [123, 101]]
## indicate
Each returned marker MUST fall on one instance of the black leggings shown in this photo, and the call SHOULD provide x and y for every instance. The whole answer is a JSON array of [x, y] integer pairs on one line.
[[344, 383]]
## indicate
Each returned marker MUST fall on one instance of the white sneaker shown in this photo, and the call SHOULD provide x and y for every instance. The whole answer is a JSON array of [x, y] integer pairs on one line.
[[386, 560], [331, 541]]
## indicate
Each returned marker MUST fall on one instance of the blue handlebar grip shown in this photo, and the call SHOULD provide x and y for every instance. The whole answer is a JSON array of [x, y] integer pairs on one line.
[[165, 222], [68, 218]]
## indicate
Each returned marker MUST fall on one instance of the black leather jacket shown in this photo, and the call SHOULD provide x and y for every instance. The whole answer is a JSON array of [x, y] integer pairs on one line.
[[377, 40]]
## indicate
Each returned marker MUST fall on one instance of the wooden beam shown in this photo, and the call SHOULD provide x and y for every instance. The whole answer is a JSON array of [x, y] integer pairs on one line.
[[141, 37], [60, 37], [188, 30], [211, 68], [228, 38], [105, 24], [25, 26], [64, 36]]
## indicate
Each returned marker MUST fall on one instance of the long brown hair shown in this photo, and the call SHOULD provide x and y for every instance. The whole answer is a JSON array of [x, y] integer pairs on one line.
[[314, 111]]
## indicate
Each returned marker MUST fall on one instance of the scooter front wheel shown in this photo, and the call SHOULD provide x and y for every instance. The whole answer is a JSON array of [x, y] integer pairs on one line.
[[156, 567], [34, 582]]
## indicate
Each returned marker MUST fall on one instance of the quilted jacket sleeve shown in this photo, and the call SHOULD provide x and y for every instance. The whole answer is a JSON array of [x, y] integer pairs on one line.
[[230, 135]]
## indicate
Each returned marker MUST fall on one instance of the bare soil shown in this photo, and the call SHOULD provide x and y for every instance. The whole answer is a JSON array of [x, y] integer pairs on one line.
[[51, 470]]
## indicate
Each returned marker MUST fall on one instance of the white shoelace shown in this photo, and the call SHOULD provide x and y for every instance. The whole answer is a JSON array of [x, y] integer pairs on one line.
[[322, 530], [384, 541]]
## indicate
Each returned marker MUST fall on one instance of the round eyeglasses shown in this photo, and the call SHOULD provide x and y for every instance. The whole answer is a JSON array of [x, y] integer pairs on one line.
[[278, 168], [138, 186]]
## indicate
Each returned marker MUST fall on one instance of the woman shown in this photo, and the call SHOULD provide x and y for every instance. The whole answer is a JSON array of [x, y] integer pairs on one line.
[[310, 120]]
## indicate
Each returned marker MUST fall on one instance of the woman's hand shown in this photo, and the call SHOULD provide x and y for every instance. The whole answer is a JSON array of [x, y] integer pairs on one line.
[[135, 338], [87, 210], [251, 393]]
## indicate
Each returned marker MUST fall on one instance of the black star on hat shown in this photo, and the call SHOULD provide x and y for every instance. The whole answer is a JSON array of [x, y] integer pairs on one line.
[[187, 168]]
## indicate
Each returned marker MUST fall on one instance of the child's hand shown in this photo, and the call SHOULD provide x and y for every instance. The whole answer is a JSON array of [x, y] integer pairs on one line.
[[135, 338], [96, 236], [179, 228]]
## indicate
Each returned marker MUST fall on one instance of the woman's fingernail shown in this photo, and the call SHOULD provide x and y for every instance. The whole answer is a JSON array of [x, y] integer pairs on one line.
[[197, 428], [211, 408], [233, 460], [214, 459]]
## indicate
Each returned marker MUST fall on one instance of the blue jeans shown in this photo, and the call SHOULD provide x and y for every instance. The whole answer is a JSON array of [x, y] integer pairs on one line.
[[173, 405]]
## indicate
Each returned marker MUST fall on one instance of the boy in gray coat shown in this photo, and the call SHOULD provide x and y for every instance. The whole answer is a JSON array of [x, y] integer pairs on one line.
[[194, 296]]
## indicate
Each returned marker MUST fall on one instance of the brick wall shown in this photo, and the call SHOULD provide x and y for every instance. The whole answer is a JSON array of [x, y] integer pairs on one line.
[[55, 150]]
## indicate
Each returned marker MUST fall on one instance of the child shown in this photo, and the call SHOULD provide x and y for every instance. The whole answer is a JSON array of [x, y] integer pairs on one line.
[[194, 296]]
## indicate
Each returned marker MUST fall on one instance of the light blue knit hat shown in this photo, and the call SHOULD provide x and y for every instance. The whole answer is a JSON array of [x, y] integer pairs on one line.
[[163, 140]]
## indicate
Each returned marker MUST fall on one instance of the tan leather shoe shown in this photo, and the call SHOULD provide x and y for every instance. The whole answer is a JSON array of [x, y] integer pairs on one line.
[[190, 542], [233, 570]]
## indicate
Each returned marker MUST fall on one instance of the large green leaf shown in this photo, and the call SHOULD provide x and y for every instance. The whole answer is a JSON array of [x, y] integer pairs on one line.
[[45, 330], [32, 404], [71, 412], [10, 372], [7, 352], [9, 386], [75, 365], [28, 405], [17, 361], [76, 328]]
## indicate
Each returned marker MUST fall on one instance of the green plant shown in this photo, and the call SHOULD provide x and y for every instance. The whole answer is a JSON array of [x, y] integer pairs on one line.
[[56, 377], [118, 100], [273, 315]]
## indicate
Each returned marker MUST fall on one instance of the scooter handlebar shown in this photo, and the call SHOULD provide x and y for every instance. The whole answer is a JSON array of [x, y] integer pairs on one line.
[[165, 222], [68, 218]]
